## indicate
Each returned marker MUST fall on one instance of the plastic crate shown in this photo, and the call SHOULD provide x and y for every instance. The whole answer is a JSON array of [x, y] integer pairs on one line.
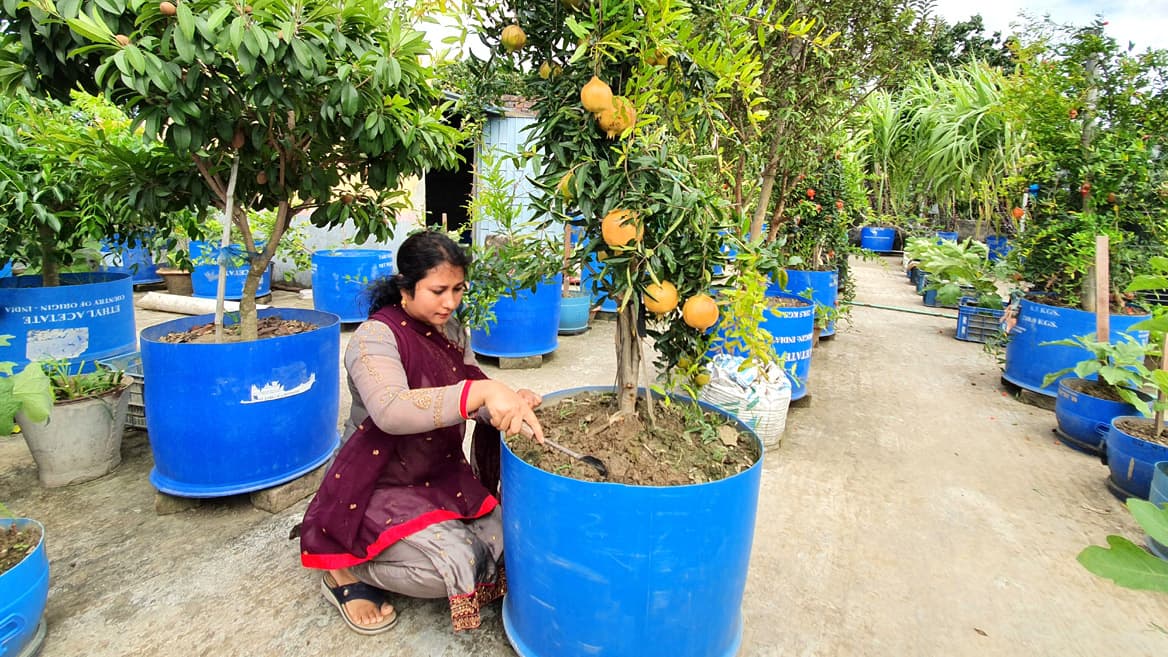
[[131, 364], [978, 324]]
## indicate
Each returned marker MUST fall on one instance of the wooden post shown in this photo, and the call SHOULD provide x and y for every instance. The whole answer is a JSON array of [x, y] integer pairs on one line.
[[1158, 424], [444, 228], [1102, 283]]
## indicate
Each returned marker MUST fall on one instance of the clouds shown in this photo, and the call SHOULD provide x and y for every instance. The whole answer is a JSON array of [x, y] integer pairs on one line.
[[1143, 21]]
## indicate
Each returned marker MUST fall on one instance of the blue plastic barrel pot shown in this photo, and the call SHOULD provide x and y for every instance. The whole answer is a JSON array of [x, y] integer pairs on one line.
[[574, 312], [823, 287], [605, 570], [241, 416], [86, 318], [591, 279], [998, 245], [6, 270], [527, 325], [1028, 361], [24, 590], [793, 329], [876, 239], [341, 279], [1158, 495], [1131, 459], [944, 235], [1083, 420], [133, 259], [205, 277]]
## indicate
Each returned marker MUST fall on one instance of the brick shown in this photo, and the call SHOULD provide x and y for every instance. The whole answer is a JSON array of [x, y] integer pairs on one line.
[[278, 498], [530, 362]]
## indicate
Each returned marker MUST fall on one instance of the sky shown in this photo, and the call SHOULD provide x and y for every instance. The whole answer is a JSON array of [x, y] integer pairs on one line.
[[1143, 21]]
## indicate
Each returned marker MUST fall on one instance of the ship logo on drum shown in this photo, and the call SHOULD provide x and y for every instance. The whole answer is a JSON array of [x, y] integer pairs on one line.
[[275, 390]]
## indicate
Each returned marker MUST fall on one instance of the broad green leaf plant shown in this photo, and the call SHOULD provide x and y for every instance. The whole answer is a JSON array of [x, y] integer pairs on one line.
[[1126, 563], [1119, 366], [28, 390]]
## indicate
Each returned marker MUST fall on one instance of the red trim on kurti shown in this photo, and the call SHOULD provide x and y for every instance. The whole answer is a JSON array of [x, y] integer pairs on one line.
[[391, 536]]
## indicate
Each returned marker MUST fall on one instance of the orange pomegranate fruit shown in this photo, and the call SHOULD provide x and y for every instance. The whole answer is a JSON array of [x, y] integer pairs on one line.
[[619, 116], [620, 227], [513, 38], [1018, 213], [595, 96], [700, 311], [660, 298]]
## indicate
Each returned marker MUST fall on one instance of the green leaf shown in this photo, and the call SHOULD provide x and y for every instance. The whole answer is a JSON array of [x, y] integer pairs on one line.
[[1126, 564], [215, 20], [1152, 517], [186, 21], [186, 50], [32, 390]]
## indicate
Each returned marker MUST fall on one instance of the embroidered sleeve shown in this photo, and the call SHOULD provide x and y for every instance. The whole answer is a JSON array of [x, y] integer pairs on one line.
[[376, 373]]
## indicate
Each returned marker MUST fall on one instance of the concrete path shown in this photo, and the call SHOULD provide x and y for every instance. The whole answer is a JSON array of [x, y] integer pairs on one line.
[[913, 509]]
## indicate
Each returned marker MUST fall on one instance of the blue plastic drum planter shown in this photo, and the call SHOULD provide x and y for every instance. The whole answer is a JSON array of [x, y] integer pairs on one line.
[[792, 327], [86, 318], [134, 260], [1131, 459], [1083, 420], [1028, 361], [998, 245], [591, 279], [877, 239], [341, 280], [241, 416], [823, 286], [575, 310], [25, 589], [598, 569], [943, 236], [527, 325], [1158, 495], [205, 277]]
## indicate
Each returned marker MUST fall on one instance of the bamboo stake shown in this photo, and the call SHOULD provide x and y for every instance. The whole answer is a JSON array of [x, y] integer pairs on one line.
[[1102, 283]]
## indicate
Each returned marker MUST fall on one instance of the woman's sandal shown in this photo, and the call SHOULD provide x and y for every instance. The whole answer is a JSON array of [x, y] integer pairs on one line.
[[338, 595]]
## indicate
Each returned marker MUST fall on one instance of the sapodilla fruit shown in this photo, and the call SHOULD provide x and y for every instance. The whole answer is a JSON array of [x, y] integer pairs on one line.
[[596, 96], [619, 116], [620, 227]]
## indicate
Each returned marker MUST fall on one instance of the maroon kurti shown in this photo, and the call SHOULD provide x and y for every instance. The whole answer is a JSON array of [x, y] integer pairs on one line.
[[384, 486]]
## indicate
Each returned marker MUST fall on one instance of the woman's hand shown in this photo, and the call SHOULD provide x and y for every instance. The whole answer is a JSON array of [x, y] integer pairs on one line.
[[533, 400], [509, 410]]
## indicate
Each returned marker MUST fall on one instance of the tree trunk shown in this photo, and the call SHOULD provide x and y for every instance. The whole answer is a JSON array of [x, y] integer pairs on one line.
[[764, 195], [50, 268], [248, 319], [628, 357]]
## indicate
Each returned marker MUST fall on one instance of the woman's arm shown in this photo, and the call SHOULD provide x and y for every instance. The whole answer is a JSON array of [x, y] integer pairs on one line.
[[375, 368]]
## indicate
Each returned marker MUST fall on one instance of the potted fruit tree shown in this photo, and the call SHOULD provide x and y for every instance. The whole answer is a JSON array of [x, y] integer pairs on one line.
[[267, 114], [624, 133], [64, 166]]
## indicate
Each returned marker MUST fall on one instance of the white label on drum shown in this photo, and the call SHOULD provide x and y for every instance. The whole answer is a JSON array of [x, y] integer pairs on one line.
[[51, 344]]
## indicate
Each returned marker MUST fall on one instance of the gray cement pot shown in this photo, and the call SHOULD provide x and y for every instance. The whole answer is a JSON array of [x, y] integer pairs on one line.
[[81, 440]]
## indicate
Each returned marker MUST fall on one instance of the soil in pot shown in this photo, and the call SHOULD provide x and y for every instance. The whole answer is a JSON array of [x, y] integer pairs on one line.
[[267, 327], [16, 544], [675, 450], [1094, 389], [1144, 430]]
